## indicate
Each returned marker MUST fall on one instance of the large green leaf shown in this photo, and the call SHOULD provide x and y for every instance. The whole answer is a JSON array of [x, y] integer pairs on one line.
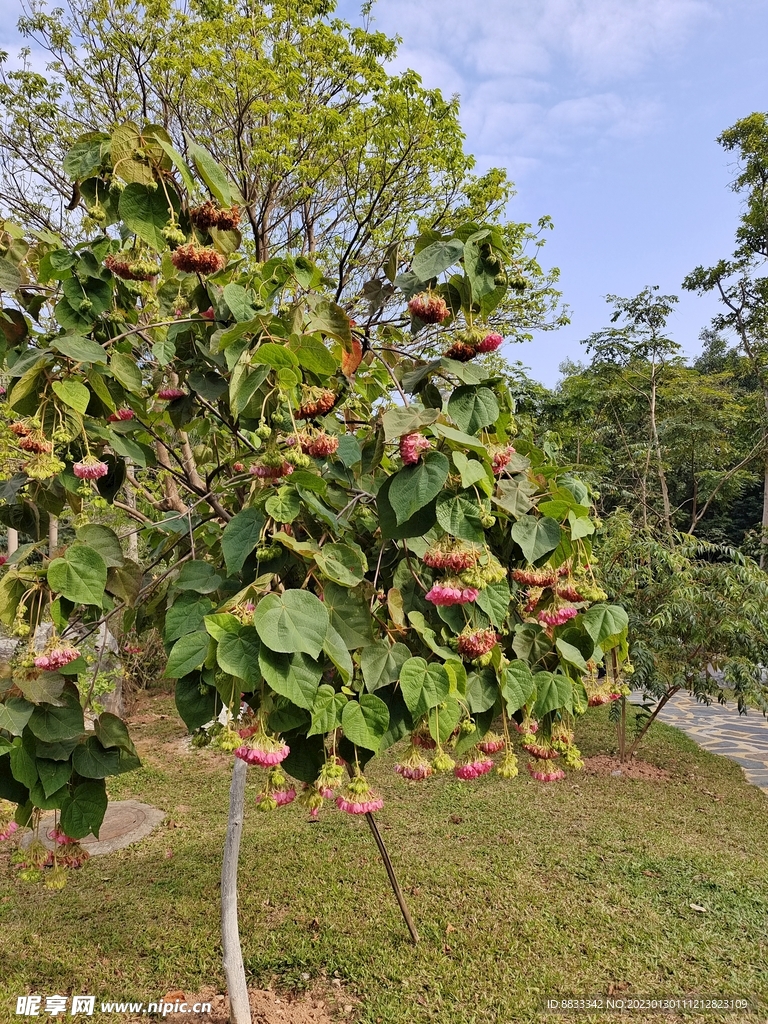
[[494, 601], [326, 710], [419, 524], [335, 648], [518, 686], [53, 774], [444, 719], [295, 676], [82, 350], [514, 496], [195, 702], [531, 642], [105, 541], [473, 408], [198, 576], [213, 174], [553, 692], [536, 537], [436, 258], [240, 537], [413, 487], [424, 685], [80, 576], [381, 664], [84, 811], [145, 212], [15, 712], [187, 654], [482, 690], [315, 357], [112, 732], [603, 622], [349, 615], [23, 761], [284, 506], [328, 318], [51, 724], [126, 372], [92, 761], [365, 721], [186, 616], [72, 393], [238, 654], [343, 563], [292, 621], [460, 515]]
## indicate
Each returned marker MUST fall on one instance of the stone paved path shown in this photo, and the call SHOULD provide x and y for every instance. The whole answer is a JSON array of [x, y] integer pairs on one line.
[[126, 822], [742, 738]]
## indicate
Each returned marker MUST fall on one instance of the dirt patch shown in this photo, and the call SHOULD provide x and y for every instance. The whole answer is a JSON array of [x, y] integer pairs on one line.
[[267, 1007], [602, 764]]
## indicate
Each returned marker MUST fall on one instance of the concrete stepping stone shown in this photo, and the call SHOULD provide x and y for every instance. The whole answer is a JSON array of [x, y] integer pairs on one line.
[[126, 822]]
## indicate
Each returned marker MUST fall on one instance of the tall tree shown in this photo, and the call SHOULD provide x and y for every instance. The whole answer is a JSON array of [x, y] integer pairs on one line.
[[741, 282]]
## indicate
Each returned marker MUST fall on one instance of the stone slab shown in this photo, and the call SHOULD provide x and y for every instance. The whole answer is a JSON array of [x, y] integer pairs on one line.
[[126, 822]]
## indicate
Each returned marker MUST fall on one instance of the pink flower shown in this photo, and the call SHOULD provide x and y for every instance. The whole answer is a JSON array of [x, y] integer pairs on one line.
[[3, 559], [490, 343], [8, 831], [443, 594], [90, 469], [543, 753], [264, 472], [500, 457], [450, 554], [526, 726], [411, 447], [284, 796], [57, 658], [264, 752], [557, 616], [473, 769], [121, 414], [428, 307], [491, 745], [60, 838], [545, 774], [415, 772], [359, 806], [474, 643], [169, 394], [208, 314]]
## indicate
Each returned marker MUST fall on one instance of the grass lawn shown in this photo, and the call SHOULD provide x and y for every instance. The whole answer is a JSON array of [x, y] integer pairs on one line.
[[521, 891]]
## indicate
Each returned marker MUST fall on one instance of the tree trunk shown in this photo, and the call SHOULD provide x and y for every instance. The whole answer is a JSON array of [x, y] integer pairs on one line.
[[53, 535], [132, 540], [13, 540], [660, 462], [764, 535], [237, 988]]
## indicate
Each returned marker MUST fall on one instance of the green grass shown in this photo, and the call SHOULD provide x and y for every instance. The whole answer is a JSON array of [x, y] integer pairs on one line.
[[520, 890]]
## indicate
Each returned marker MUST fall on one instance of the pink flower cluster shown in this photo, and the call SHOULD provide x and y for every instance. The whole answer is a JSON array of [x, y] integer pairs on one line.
[[414, 771], [430, 308], [8, 831], [59, 837], [121, 414], [477, 642], [169, 394], [373, 803], [474, 769], [411, 447], [456, 559], [568, 592], [490, 343], [263, 755], [491, 746], [526, 726], [318, 447], [57, 658], [264, 472], [208, 314], [444, 594], [500, 458], [547, 774], [543, 753], [3, 559], [90, 469], [596, 699], [557, 616]]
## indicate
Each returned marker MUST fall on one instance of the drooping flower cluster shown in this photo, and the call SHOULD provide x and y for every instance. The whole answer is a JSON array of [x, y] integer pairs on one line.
[[428, 307], [500, 458], [209, 215], [472, 343], [484, 572], [197, 259], [170, 394], [272, 466], [357, 797], [543, 751], [319, 446], [263, 749], [451, 591], [474, 643], [35, 442], [56, 658], [317, 402], [90, 468], [473, 769], [19, 429], [542, 771], [491, 743], [557, 616], [414, 765], [450, 553], [121, 415], [278, 792], [8, 831], [411, 447], [131, 266]]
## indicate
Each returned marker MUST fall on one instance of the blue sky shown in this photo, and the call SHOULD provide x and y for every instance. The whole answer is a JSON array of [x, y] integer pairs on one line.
[[605, 113]]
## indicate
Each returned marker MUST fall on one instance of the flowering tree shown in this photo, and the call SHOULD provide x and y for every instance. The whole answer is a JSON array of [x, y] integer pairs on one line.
[[342, 534]]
